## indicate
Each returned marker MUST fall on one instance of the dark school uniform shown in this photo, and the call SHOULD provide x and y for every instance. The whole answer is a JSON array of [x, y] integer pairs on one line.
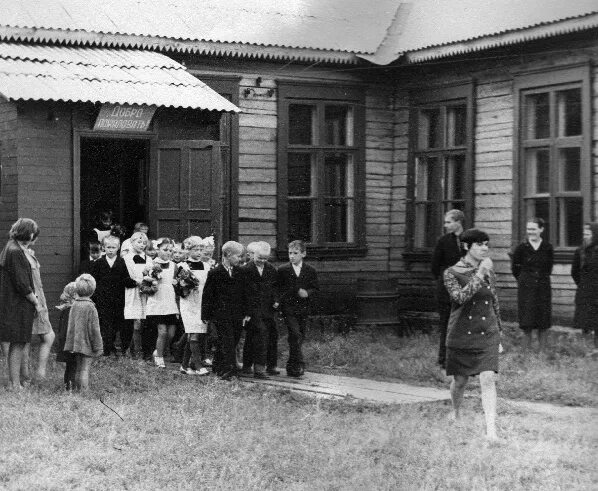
[[109, 298], [224, 302], [261, 340], [532, 268], [584, 271], [296, 309], [447, 253]]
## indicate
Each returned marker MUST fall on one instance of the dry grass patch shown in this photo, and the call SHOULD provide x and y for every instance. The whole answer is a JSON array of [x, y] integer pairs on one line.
[[190, 433], [566, 375]]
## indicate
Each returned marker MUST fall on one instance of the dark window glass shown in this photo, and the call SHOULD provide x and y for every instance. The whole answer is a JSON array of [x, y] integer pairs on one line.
[[454, 178], [335, 221], [301, 124], [429, 129], [456, 125], [338, 124], [336, 175], [300, 220], [299, 174], [538, 116], [569, 112], [570, 169], [538, 171]]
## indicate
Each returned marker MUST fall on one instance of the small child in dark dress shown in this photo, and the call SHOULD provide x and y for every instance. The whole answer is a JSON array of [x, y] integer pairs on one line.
[[68, 296], [83, 336]]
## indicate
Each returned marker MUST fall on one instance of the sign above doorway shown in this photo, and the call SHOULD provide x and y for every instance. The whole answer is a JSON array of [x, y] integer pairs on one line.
[[124, 117]]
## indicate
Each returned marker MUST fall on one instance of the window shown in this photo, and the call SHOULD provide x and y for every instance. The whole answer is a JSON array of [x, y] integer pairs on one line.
[[440, 173], [553, 154], [321, 168]]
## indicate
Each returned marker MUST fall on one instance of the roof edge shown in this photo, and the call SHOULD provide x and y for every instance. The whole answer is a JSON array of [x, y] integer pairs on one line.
[[557, 28], [209, 48]]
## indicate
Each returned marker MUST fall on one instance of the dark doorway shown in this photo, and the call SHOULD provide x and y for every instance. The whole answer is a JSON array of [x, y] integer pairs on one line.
[[114, 177]]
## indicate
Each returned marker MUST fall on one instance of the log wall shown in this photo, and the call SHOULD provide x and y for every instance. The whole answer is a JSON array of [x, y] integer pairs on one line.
[[495, 99]]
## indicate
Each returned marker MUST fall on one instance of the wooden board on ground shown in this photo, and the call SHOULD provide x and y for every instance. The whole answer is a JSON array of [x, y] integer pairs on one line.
[[367, 390]]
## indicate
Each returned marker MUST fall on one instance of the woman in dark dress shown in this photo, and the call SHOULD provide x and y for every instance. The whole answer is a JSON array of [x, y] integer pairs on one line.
[[585, 274], [473, 334], [18, 303], [531, 265]]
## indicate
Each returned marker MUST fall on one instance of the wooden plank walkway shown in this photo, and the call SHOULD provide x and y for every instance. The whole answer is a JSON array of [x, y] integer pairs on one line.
[[363, 389]]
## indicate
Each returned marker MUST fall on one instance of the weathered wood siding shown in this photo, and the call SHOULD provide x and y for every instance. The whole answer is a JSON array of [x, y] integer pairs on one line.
[[495, 100]]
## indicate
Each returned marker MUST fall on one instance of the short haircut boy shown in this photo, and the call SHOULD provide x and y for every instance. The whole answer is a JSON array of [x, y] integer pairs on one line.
[[456, 215], [297, 244], [140, 225], [232, 247], [95, 247], [263, 247], [85, 285], [112, 239]]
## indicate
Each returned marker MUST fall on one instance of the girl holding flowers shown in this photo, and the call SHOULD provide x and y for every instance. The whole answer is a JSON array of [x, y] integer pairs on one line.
[[135, 302], [162, 309], [190, 280]]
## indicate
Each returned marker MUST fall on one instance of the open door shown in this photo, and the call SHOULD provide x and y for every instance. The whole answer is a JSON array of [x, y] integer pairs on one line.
[[186, 190]]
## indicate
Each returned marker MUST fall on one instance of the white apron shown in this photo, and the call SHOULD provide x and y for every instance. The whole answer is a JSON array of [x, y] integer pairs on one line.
[[191, 306], [134, 301], [163, 302]]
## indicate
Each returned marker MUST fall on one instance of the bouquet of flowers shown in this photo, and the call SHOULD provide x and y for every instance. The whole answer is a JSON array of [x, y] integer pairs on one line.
[[185, 282], [151, 275]]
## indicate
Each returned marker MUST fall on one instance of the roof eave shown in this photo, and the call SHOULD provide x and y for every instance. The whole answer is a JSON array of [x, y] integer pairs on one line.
[[385, 57], [198, 47], [503, 39]]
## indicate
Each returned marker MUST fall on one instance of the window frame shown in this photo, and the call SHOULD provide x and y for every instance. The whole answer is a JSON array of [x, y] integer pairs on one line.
[[438, 97], [552, 80], [322, 94]]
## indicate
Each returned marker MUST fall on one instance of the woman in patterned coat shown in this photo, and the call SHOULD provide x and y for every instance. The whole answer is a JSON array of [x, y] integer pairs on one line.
[[473, 334]]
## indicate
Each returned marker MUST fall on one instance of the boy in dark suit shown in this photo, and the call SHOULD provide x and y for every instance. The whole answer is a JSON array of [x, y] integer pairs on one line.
[[297, 284], [261, 340], [224, 302], [112, 277], [95, 252], [446, 254]]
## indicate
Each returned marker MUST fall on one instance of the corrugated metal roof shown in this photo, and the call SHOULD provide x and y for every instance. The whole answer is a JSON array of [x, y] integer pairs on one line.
[[102, 75], [420, 26], [306, 30], [338, 25]]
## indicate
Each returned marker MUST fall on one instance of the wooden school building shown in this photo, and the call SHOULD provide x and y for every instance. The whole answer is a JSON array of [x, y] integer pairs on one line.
[[348, 124]]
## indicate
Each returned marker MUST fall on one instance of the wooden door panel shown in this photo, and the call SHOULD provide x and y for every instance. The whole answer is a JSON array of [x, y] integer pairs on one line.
[[169, 178], [185, 198], [168, 228], [200, 179]]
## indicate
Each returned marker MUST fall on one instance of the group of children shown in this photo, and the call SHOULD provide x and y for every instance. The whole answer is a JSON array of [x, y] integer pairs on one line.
[[141, 298]]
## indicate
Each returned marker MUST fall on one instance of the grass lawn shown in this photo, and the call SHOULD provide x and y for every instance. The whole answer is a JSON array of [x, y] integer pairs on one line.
[[565, 375], [178, 432]]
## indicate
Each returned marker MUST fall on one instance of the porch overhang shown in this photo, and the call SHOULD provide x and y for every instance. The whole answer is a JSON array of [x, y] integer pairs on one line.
[[117, 76]]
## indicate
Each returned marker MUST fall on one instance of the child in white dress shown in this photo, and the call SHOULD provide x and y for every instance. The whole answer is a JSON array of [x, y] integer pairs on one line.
[[195, 329], [135, 302], [161, 309]]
